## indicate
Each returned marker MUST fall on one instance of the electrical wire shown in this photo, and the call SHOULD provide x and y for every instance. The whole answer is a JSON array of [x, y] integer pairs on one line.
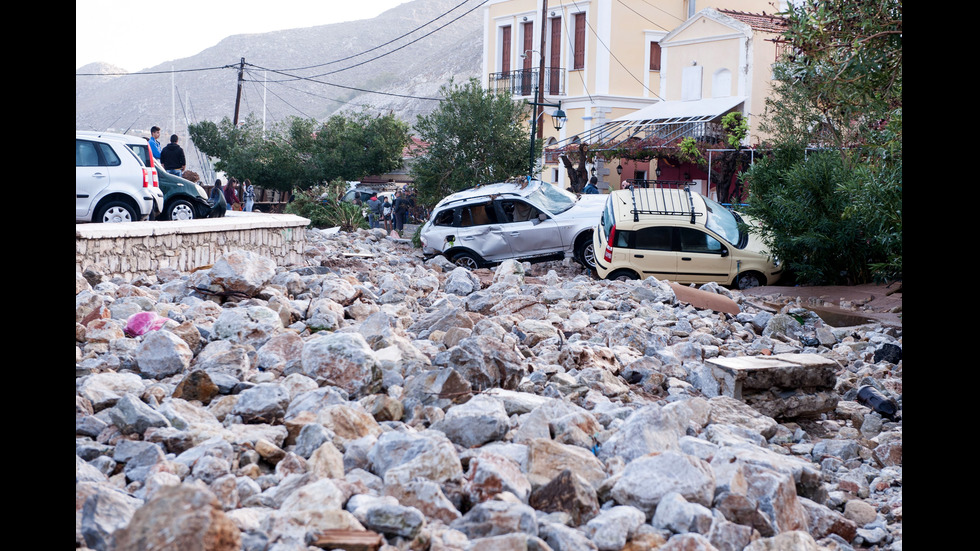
[[379, 46], [426, 35]]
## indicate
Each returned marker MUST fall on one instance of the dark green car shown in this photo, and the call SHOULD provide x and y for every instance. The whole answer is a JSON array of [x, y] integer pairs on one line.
[[182, 199]]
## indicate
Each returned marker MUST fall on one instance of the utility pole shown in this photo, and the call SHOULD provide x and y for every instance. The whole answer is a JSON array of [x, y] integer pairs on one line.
[[238, 97], [539, 99]]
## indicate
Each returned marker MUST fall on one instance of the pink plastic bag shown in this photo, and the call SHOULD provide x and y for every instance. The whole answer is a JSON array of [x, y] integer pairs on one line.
[[144, 322]]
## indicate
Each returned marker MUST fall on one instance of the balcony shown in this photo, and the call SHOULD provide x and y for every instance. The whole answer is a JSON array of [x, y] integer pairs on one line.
[[523, 81]]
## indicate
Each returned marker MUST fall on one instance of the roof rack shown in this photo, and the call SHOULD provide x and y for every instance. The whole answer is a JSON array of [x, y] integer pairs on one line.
[[660, 200]]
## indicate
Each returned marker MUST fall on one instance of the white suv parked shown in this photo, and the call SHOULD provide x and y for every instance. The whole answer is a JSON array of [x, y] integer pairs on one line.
[[527, 221], [111, 183]]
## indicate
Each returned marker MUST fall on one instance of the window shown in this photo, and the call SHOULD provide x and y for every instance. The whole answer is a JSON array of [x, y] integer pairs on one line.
[[695, 241], [654, 238], [505, 49], [654, 56], [579, 54], [444, 218], [87, 154], [477, 215], [518, 211]]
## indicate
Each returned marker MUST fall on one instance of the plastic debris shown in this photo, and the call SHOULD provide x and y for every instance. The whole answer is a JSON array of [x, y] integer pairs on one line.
[[142, 323]]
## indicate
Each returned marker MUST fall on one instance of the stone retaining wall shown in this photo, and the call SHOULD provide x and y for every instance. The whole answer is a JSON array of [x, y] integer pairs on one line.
[[144, 247]]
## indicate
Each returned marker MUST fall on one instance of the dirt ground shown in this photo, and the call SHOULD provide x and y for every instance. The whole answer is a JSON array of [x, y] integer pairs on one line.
[[873, 301]]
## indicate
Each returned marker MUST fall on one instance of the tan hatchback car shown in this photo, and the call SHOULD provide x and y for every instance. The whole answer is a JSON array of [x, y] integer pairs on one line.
[[681, 236]]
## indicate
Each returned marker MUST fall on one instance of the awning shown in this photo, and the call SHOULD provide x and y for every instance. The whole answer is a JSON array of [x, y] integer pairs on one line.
[[658, 124]]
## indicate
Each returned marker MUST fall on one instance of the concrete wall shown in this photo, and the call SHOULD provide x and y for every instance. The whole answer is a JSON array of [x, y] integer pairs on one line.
[[145, 247]]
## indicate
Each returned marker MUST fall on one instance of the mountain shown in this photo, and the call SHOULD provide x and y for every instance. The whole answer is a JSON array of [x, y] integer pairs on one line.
[[309, 72]]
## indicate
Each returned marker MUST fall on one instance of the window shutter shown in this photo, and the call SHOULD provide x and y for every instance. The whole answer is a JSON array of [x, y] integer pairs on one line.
[[654, 56], [505, 49], [528, 44], [579, 61]]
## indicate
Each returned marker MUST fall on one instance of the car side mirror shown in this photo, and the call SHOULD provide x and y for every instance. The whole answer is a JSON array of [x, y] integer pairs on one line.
[[724, 252], [542, 217]]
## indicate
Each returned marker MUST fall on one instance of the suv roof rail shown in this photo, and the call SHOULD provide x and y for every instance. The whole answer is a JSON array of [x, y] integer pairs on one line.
[[660, 201]]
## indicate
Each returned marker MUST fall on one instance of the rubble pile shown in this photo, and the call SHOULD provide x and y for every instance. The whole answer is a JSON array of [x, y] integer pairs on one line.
[[374, 400]]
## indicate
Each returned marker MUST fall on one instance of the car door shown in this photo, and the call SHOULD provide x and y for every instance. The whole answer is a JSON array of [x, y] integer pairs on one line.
[[652, 252], [528, 230], [702, 257], [480, 230], [94, 165]]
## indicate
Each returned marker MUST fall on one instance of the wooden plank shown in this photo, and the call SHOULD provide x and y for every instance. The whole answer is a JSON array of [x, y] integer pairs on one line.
[[348, 540]]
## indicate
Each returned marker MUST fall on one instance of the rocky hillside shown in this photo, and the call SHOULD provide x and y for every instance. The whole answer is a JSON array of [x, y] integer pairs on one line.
[[301, 70], [371, 396]]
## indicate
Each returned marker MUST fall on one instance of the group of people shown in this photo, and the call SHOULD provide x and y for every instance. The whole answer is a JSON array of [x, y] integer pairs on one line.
[[227, 196], [172, 156], [390, 214], [222, 197]]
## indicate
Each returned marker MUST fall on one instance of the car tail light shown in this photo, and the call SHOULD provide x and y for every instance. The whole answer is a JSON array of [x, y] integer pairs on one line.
[[612, 234], [147, 177]]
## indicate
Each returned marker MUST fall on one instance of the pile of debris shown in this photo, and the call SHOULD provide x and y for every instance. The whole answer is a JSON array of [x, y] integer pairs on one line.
[[374, 400]]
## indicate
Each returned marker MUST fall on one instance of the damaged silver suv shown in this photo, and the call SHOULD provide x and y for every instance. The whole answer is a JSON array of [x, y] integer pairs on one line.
[[525, 221]]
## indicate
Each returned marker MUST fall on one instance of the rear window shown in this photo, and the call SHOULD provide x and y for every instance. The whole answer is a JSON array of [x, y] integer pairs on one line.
[[142, 151], [608, 217]]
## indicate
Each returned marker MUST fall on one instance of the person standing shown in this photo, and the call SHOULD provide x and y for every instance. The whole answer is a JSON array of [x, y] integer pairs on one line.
[[374, 210], [217, 201], [155, 142], [386, 214], [172, 157], [400, 207], [231, 194], [249, 195], [591, 187]]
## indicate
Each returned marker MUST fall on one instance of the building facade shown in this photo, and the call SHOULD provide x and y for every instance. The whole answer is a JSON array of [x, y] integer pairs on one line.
[[629, 68]]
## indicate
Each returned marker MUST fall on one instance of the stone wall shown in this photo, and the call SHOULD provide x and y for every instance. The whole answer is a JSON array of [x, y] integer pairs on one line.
[[145, 247]]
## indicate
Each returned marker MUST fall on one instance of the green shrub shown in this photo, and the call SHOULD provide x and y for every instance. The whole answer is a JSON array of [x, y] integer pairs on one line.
[[326, 213], [801, 203]]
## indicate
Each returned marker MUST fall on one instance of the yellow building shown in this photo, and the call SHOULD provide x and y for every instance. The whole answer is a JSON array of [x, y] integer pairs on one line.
[[632, 68]]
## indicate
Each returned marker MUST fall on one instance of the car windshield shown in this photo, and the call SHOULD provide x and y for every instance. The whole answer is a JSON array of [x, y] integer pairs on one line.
[[552, 198], [721, 221]]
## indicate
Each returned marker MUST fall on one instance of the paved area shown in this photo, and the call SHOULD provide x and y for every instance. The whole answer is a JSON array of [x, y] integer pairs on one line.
[[876, 301]]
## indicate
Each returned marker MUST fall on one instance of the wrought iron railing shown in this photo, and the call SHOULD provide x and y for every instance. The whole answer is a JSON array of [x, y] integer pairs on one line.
[[523, 81]]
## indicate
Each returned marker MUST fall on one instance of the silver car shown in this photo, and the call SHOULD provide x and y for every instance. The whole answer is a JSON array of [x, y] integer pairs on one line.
[[526, 221]]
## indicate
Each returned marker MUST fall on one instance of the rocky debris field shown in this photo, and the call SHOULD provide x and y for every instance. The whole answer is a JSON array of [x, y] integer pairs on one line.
[[374, 400]]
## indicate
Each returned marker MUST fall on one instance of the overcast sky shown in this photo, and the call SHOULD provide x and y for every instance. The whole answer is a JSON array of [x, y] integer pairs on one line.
[[141, 34]]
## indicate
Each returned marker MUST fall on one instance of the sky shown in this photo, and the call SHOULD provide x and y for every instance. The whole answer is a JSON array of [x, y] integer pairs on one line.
[[142, 34]]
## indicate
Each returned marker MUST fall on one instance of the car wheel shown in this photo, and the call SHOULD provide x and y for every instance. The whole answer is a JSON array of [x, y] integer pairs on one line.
[[585, 251], [747, 280], [623, 275], [467, 260], [116, 211], [180, 210]]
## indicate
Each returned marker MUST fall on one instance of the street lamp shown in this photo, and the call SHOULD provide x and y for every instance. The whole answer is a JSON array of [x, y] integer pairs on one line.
[[558, 118]]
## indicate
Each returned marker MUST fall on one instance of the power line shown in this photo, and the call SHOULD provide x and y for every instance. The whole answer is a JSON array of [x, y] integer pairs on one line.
[[440, 16], [426, 35]]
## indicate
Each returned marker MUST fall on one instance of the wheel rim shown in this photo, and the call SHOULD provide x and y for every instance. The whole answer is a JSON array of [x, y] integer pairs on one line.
[[466, 261], [117, 214], [589, 255], [747, 281], [181, 211]]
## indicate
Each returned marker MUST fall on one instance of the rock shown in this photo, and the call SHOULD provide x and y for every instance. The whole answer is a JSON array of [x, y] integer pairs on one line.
[[162, 354], [494, 518], [480, 420], [242, 272], [646, 480], [183, 517], [343, 360], [614, 526], [568, 493]]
